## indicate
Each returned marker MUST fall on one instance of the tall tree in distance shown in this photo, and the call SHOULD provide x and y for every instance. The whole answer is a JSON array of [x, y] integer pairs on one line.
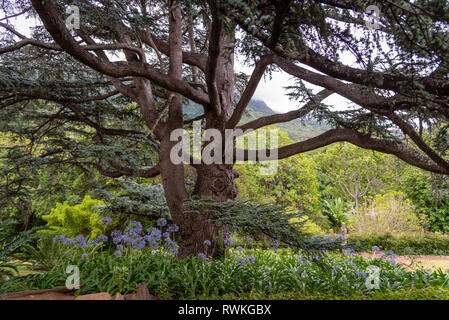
[[120, 80]]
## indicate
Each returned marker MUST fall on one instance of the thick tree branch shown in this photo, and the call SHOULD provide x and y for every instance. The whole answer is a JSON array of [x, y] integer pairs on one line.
[[54, 24], [398, 149], [256, 76], [289, 116], [123, 171]]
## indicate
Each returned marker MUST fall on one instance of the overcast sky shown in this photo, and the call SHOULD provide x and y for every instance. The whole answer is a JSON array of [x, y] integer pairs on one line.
[[269, 90]]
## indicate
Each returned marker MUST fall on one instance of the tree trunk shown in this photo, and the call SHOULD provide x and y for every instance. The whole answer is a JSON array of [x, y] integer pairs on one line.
[[216, 181]]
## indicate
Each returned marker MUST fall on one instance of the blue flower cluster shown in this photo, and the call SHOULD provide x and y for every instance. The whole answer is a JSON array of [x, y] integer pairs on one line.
[[350, 252], [207, 243], [106, 221], [228, 241], [250, 259], [202, 256], [274, 242], [80, 241], [389, 255], [133, 237]]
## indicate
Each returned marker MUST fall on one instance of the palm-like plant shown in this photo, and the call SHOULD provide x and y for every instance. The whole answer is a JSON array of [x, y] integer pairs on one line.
[[338, 212], [10, 244]]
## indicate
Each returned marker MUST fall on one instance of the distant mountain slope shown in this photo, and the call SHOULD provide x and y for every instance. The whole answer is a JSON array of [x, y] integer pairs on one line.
[[297, 130], [260, 106]]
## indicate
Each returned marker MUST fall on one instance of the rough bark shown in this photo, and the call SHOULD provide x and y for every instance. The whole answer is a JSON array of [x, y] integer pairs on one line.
[[216, 181]]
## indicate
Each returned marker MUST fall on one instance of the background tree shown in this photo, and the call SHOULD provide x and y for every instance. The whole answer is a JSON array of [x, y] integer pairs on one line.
[[353, 173], [123, 107]]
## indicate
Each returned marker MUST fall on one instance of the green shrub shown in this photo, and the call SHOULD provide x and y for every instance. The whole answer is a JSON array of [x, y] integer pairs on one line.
[[338, 212], [46, 253], [428, 293], [420, 243], [80, 219], [429, 193], [11, 244], [391, 212]]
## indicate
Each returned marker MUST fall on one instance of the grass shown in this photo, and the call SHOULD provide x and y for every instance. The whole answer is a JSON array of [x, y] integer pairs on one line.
[[273, 275]]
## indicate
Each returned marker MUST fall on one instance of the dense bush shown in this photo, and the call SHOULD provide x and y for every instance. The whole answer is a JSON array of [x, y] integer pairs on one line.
[[420, 243], [295, 183], [81, 219], [11, 244], [386, 213], [429, 193]]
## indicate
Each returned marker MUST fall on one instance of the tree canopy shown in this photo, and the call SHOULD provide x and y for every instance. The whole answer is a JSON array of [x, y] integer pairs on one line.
[[108, 94]]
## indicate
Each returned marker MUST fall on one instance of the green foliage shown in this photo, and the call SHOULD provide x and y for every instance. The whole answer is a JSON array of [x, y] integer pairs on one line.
[[271, 274], [295, 183], [428, 293], [262, 220], [338, 212], [139, 199], [386, 213], [429, 194], [81, 219], [47, 253], [420, 243], [11, 244], [353, 173]]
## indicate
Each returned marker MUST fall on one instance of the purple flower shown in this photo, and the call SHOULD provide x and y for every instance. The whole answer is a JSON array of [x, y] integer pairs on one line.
[[251, 259], [375, 249], [102, 238], [156, 234], [140, 243], [228, 242], [202, 256], [134, 227], [84, 256], [276, 245], [161, 222], [239, 248], [173, 228], [350, 251], [118, 253], [106, 221], [207, 243]]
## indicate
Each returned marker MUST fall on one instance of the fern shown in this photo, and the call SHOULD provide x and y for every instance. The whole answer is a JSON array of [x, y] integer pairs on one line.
[[11, 244]]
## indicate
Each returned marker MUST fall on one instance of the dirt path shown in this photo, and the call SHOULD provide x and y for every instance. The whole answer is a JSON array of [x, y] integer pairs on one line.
[[413, 262]]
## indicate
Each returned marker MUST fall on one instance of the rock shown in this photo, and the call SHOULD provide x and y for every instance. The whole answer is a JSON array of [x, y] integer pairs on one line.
[[95, 296]]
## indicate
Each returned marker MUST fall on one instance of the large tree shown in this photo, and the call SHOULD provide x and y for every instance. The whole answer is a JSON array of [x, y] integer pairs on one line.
[[125, 73]]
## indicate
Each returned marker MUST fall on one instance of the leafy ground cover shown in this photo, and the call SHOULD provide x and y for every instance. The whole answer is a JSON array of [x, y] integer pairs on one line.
[[244, 274]]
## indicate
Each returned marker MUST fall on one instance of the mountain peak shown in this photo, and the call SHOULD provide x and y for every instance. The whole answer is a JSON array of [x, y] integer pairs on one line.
[[260, 106]]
